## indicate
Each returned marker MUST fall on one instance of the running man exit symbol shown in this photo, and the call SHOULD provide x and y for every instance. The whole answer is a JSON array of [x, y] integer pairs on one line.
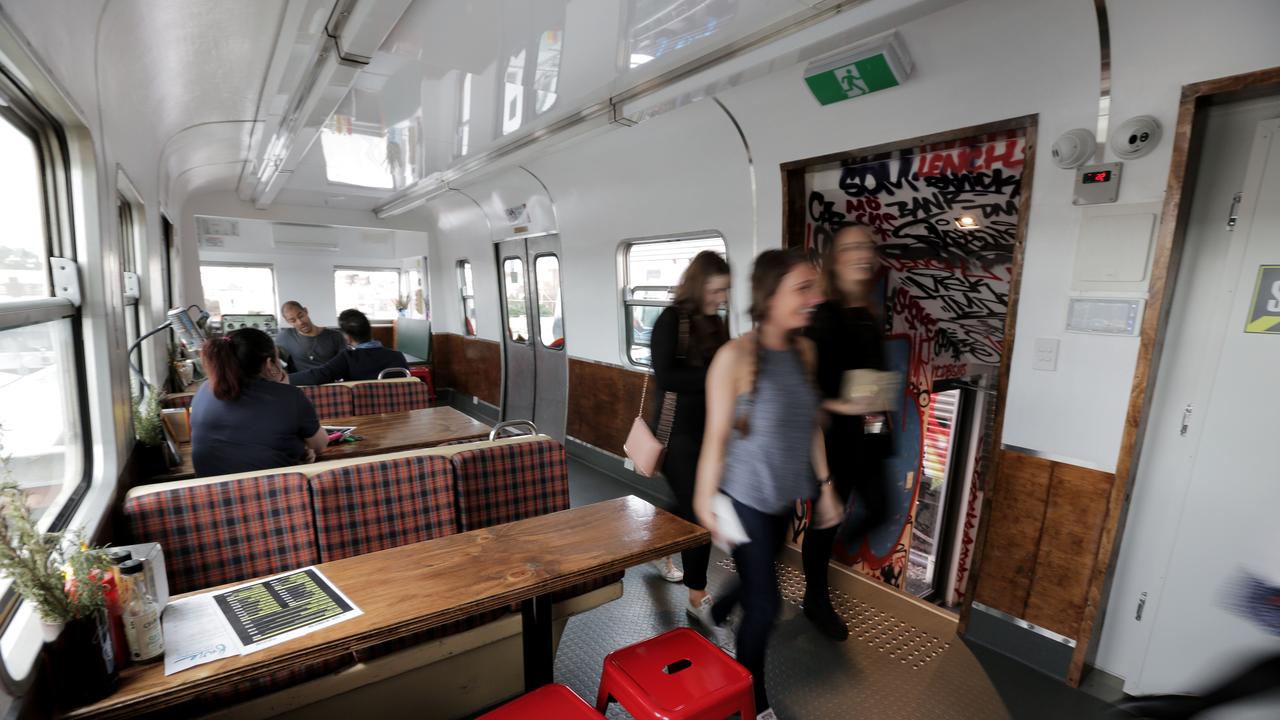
[[1264, 316], [852, 79]]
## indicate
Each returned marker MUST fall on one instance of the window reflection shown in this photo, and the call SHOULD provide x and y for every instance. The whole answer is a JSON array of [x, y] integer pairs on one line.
[[660, 26], [513, 93], [354, 158], [464, 116], [546, 76]]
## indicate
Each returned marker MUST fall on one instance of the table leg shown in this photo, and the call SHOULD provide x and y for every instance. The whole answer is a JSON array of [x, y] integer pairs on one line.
[[539, 660]]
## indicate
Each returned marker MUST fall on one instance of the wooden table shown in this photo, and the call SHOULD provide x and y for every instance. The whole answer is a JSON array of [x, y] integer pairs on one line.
[[383, 433], [415, 587]]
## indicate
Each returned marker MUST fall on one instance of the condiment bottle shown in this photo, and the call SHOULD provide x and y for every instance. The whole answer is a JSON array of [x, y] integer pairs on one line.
[[115, 607], [141, 614]]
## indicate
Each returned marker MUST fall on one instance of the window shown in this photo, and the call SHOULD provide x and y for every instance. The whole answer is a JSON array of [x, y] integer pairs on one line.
[[546, 76], [373, 292], [43, 428], [516, 299], [238, 290], [464, 116], [513, 93], [657, 27], [546, 271], [652, 270], [468, 297]]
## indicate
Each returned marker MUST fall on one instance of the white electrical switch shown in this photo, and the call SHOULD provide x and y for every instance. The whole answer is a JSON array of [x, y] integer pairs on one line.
[[1046, 354]]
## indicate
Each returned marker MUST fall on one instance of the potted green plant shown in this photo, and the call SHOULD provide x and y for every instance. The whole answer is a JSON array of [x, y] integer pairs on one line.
[[148, 428], [65, 581]]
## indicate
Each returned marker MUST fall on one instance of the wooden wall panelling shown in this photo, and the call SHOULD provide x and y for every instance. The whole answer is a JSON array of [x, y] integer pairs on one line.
[[1073, 524], [385, 334], [1015, 522], [470, 366], [603, 400]]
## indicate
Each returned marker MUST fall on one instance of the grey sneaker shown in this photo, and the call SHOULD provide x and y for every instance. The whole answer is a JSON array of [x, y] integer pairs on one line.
[[701, 612]]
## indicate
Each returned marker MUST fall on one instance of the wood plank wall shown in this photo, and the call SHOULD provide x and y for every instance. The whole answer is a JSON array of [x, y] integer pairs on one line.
[[468, 365], [1045, 527], [603, 400]]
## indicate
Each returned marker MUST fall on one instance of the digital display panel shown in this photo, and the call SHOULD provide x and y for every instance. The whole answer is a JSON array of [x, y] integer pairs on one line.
[[1097, 177]]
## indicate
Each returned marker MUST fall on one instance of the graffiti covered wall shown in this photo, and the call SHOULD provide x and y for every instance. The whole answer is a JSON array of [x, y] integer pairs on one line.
[[946, 285]]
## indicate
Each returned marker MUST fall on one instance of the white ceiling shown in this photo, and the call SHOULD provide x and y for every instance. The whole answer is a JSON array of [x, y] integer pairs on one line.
[[192, 90]]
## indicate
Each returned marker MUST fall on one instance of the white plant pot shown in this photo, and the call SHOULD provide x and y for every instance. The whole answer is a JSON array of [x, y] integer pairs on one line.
[[50, 630]]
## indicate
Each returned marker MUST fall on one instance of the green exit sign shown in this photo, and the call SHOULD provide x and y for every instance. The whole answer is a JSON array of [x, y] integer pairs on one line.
[[878, 64]]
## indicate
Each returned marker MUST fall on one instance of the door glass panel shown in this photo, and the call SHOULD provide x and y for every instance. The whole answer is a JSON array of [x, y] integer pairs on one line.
[[546, 268], [935, 468], [516, 298]]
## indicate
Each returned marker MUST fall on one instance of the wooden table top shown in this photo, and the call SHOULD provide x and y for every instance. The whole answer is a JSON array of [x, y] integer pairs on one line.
[[383, 433], [415, 587]]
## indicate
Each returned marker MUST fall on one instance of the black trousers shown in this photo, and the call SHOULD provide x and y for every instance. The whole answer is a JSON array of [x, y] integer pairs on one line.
[[680, 467], [859, 480], [757, 590]]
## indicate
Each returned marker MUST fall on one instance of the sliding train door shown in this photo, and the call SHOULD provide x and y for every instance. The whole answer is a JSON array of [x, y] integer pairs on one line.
[[535, 372]]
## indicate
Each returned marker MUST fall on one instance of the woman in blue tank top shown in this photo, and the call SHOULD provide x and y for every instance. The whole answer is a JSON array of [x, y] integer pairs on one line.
[[763, 445]]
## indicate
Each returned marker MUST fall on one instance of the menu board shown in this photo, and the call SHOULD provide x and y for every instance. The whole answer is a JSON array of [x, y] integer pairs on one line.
[[262, 611]]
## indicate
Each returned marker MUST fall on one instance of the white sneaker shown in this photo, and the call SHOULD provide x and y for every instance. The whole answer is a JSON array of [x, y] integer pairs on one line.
[[726, 638], [701, 612], [766, 715], [670, 572]]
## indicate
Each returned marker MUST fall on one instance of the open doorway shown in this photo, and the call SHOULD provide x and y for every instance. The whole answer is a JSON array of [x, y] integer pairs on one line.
[[947, 212]]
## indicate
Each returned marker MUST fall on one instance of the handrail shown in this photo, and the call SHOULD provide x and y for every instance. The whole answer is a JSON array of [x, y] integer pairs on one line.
[[493, 434], [383, 375]]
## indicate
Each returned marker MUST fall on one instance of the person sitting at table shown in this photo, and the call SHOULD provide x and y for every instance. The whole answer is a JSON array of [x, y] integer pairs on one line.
[[306, 344], [362, 361], [247, 416]]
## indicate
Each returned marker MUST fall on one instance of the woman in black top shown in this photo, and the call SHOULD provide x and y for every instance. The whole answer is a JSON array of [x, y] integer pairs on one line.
[[849, 335], [685, 338]]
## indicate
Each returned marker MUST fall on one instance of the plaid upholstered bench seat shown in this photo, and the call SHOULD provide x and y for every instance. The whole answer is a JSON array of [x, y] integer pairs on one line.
[[237, 527]]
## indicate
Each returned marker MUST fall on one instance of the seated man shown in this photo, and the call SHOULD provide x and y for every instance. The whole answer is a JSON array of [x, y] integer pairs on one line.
[[362, 361], [308, 345]]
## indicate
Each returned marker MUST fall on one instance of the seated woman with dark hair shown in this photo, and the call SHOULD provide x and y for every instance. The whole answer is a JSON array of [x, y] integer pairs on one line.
[[247, 417], [362, 361]]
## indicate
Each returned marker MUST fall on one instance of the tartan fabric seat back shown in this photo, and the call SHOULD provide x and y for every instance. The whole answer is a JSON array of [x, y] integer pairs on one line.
[[377, 505], [505, 483], [380, 396], [330, 401], [180, 400], [227, 531]]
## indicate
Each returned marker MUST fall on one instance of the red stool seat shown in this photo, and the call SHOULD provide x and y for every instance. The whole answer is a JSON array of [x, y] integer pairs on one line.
[[677, 675], [552, 702], [423, 373]]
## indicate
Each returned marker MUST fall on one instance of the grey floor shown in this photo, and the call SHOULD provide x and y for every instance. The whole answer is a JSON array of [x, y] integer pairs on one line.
[[810, 677]]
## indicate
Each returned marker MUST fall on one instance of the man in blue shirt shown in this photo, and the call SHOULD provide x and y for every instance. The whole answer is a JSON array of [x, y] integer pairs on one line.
[[362, 361]]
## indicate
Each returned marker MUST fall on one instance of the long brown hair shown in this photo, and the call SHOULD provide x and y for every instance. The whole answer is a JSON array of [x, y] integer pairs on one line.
[[830, 283], [707, 332], [233, 360], [766, 277]]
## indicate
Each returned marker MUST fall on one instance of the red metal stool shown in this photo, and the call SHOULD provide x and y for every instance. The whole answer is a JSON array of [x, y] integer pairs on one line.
[[677, 675], [423, 373], [552, 702]]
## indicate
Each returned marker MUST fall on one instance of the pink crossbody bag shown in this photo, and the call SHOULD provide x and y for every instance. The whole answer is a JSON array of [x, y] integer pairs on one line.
[[643, 447]]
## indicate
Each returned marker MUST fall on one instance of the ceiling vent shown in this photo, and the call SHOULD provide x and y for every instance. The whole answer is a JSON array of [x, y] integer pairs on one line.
[[288, 236]]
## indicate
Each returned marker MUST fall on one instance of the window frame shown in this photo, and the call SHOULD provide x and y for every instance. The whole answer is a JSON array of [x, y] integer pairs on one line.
[[355, 268], [275, 284], [537, 303], [27, 114], [625, 288], [128, 215], [460, 268]]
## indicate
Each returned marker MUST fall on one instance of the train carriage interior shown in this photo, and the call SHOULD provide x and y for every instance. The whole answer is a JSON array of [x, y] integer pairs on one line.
[[412, 358]]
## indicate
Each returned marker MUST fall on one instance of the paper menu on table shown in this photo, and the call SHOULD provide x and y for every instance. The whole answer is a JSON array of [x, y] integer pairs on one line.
[[280, 608], [195, 633]]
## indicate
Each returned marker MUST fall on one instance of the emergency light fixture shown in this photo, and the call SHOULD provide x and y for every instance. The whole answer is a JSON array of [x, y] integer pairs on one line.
[[878, 63]]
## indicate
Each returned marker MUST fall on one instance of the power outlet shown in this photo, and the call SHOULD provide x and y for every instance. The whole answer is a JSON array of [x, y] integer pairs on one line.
[[1046, 354]]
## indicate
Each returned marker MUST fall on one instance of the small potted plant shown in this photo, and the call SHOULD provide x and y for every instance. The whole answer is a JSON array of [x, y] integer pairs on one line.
[[64, 580], [148, 428]]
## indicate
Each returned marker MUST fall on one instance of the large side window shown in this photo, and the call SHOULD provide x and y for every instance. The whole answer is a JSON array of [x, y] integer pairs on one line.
[[468, 293], [43, 435], [238, 289], [372, 292], [651, 270]]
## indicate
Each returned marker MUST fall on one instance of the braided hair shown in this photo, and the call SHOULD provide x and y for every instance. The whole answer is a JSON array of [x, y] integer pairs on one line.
[[766, 277]]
